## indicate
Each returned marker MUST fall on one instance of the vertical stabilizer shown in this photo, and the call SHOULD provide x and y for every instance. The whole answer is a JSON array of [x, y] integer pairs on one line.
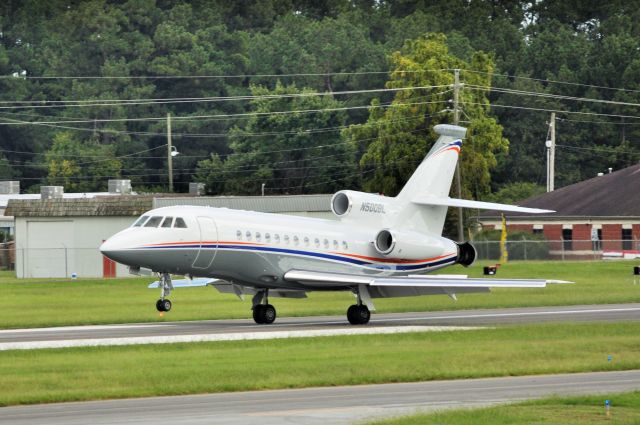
[[433, 177]]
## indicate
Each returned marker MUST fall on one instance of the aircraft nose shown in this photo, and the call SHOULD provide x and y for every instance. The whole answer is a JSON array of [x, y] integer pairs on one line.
[[111, 248]]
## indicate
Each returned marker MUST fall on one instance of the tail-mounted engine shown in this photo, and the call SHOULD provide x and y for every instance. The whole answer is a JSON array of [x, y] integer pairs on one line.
[[359, 205], [466, 254], [409, 245]]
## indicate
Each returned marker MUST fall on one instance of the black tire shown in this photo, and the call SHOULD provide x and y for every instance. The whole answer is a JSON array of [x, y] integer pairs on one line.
[[268, 314], [363, 314], [159, 305], [166, 305], [352, 314], [257, 314]]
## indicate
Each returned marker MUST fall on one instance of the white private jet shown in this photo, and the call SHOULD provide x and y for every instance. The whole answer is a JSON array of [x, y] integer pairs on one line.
[[379, 246]]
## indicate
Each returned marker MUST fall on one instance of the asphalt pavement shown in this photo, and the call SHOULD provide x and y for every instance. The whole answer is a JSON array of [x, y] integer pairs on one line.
[[321, 406]]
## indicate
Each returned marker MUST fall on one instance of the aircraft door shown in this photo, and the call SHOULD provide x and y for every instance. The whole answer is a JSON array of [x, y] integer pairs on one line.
[[208, 243]]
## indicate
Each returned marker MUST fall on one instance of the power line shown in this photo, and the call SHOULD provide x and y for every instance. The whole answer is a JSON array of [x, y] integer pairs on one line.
[[142, 101]]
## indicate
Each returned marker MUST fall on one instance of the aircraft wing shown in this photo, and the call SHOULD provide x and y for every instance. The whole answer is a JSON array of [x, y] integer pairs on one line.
[[314, 278], [466, 203], [186, 283]]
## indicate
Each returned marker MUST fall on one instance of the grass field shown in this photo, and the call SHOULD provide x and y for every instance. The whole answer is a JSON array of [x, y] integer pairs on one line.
[[625, 410], [36, 376], [51, 302]]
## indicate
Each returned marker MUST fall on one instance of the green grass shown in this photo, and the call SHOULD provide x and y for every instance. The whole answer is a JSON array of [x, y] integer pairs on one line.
[[625, 409], [55, 375], [52, 302]]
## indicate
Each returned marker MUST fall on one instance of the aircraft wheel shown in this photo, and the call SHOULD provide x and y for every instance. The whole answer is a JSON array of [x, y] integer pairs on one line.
[[166, 304], [159, 305], [358, 314], [257, 314], [268, 314]]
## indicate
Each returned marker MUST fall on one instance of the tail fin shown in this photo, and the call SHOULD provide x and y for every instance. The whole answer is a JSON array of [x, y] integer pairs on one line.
[[432, 178]]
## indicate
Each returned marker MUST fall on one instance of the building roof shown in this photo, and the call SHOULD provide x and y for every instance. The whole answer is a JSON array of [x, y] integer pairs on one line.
[[611, 195], [271, 204], [134, 205], [123, 205]]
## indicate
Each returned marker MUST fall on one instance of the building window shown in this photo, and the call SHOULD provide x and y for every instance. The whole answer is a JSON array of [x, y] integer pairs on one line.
[[567, 239], [537, 231], [627, 239]]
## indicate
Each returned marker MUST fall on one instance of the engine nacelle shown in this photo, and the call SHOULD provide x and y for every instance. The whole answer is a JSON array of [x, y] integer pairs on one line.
[[409, 245], [466, 254], [352, 204]]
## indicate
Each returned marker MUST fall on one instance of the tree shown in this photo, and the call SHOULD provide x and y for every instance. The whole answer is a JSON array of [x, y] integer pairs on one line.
[[402, 131], [80, 166], [288, 151]]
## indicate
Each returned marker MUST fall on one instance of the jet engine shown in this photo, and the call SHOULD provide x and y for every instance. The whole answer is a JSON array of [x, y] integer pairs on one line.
[[409, 245], [466, 254], [360, 205]]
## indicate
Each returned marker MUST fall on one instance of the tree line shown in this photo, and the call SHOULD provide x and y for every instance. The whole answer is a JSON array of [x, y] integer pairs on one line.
[[281, 92]]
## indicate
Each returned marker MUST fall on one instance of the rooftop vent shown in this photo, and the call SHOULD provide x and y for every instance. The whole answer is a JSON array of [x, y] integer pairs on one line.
[[196, 189], [9, 187], [51, 192], [123, 187]]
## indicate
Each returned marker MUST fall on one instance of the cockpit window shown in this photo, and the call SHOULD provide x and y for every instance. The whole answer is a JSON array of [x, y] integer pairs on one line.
[[179, 223], [139, 222], [166, 222], [153, 221]]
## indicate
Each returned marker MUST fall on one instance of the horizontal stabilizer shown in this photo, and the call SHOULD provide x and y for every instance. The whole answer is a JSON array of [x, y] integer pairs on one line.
[[186, 283], [466, 203]]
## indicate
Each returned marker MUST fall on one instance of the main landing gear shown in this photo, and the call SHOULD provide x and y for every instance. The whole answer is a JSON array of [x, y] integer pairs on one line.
[[358, 314], [263, 314], [163, 304]]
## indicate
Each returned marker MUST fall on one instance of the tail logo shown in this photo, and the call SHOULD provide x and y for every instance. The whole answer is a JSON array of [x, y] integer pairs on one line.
[[453, 146]]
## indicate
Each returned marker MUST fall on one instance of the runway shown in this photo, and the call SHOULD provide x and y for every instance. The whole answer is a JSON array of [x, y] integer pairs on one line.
[[311, 406], [319, 325]]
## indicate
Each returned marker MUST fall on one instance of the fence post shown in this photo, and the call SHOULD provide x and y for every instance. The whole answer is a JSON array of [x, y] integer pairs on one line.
[[562, 249], [524, 242]]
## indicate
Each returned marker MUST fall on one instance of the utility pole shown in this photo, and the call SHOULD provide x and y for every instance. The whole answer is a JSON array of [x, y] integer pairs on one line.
[[456, 121], [551, 153], [169, 153]]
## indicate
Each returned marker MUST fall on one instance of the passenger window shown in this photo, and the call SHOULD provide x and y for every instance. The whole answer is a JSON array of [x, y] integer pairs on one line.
[[239, 235], [335, 244], [267, 237], [276, 238], [296, 241], [167, 222], [286, 239], [179, 223], [153, 221], [344, 245], [248, 235], [139, 222], [258, 236], [326, 243], [317, 242], [306, 241]]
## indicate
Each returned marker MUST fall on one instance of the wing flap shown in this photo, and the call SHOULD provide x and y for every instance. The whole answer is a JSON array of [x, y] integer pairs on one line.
[[467, 203]]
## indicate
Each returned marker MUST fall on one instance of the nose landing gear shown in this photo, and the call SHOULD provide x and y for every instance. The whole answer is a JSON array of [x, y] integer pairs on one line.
[[163, 304]]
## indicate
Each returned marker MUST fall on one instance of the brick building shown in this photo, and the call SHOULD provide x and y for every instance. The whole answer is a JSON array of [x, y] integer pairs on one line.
[[599, 214]]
